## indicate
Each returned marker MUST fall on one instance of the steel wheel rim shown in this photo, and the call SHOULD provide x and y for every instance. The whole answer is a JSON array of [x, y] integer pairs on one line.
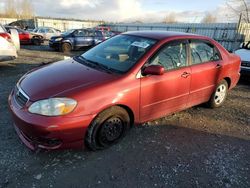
[[220, 94], [66, 47], [111, 130]]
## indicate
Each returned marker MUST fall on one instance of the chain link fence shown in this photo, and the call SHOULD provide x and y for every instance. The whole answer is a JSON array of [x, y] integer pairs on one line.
[[230, 35]]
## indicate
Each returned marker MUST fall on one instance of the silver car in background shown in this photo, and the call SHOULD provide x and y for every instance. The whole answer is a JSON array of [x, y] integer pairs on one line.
[[47, 32]]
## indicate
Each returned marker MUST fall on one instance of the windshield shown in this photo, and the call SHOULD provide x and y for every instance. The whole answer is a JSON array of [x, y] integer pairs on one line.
[[119, 53], [68, 32]]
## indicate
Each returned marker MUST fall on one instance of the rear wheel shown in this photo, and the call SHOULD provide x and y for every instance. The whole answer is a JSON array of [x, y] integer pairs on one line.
[[66, 48], [36, 42], [107, 128], [219, 96]]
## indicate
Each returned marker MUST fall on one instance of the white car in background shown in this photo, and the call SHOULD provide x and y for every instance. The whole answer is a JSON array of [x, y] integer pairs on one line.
[[9, 44], [244, 53], [47, 32]]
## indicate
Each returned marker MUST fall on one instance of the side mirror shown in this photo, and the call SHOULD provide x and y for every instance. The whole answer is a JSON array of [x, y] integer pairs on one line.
[[153, 70]]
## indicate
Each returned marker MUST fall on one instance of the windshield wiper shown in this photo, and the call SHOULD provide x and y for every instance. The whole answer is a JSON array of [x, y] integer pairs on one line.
[[85, 61], [104, 67], [94, 64]]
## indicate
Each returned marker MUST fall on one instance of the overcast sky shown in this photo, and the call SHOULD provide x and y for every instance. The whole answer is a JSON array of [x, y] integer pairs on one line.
[[128, 10]]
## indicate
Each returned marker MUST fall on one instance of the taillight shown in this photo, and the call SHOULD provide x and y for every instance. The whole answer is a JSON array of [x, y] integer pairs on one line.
[[6, 36]]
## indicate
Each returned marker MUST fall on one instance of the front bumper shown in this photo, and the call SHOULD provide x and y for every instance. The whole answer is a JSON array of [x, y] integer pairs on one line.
[[54, 45], [50, 133]]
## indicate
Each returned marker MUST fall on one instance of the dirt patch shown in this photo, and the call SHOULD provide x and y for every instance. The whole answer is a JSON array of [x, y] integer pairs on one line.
[[198, 147]]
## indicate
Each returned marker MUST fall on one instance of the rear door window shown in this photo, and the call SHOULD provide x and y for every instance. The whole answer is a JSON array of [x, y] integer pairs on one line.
[[203, 51]]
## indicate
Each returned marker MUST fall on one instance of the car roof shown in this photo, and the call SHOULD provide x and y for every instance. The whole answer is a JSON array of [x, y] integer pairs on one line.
[[44, 28], [158, 35]]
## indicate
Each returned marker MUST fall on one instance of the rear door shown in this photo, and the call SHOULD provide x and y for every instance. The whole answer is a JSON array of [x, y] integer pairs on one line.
[[205, 69], [90, 37], [167, 93], [79, 38]]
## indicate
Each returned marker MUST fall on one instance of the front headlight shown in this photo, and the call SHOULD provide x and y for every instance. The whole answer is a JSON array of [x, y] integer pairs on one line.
[[53, 106], [58, 39]]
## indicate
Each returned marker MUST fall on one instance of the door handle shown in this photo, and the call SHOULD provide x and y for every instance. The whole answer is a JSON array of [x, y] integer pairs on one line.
[[185, 74], [218, 66]]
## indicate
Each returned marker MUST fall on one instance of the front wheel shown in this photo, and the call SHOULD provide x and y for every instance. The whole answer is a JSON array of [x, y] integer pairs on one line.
[[107, 128], [219, 96], [66, 48]]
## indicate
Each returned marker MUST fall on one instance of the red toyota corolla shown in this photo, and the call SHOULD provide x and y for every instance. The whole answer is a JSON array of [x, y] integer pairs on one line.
[[93, 99]]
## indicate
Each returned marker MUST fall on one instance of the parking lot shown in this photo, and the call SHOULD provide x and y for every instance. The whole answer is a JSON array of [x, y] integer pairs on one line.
[[198, 147]]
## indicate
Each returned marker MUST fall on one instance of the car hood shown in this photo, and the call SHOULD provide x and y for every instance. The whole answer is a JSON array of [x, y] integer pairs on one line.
[[59, 36], [60, 77], [34, 34], [244, 54]]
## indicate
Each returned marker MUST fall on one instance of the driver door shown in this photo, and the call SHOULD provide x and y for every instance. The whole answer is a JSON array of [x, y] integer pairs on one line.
[[167, 93]]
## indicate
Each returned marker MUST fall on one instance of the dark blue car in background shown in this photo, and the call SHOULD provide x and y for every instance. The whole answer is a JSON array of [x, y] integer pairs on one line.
[[76, 39]]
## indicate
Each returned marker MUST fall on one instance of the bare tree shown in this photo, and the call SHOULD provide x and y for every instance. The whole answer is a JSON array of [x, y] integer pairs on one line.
[[18, 9], [26, 9], [240, 8], [11, 10], [170, 18], [209, 18]]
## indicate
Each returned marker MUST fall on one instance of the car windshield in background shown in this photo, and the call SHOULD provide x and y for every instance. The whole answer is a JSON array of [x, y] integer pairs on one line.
[[119, 53], [68, 32]]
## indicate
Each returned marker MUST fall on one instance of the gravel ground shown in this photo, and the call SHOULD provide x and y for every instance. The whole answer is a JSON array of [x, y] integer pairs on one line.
[[198, 147]]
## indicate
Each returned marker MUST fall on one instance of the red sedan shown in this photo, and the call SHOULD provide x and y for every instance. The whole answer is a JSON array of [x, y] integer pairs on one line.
[[25, 37], [93, 99]]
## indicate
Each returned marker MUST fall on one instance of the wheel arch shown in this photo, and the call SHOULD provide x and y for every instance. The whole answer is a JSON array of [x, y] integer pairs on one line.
[[228, 80], [67, 42], [125, 107], [130, 113]]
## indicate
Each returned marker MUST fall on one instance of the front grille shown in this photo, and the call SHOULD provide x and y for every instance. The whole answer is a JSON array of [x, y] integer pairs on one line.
[[20, 96], [245, 63]]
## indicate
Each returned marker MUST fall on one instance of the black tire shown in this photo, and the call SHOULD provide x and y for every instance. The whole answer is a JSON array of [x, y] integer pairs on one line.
[[36, 42], [107, 128], [66, 48], [219, 95]]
